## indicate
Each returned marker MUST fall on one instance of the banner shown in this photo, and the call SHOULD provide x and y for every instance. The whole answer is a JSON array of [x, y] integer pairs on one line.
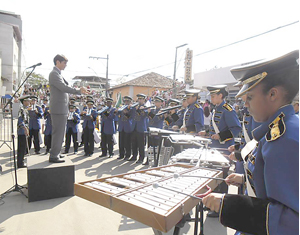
[[188, 66]]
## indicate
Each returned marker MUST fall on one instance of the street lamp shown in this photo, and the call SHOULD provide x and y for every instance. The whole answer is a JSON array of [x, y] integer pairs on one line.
[[174, 75], [103, 58], [93, 71]]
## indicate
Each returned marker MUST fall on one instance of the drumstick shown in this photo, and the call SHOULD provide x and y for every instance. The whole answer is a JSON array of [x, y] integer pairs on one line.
[[157, 185], [176, 176]]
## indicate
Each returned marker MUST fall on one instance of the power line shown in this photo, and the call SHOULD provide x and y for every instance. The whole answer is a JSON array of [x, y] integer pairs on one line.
[[230, 44]]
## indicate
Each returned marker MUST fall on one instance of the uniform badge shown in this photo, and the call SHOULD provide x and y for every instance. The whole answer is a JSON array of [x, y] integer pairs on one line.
[[227, 107], [277, 128], [197, 106]]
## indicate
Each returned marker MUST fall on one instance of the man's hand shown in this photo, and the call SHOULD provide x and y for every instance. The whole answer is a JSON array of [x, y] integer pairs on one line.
[[235, 179], [212, 201], [231, 148], [215, 137], [202, 133], [232, 156], [84, 91], [183, 128]]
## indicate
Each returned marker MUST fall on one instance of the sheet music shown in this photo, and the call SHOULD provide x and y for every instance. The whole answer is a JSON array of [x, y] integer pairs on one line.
[[70, 116]]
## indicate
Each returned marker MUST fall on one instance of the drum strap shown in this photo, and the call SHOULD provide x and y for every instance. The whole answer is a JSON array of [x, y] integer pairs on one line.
[[215, 126]]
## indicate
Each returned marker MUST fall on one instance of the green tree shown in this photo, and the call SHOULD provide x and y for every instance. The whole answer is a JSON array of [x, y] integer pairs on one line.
[[36, 80]]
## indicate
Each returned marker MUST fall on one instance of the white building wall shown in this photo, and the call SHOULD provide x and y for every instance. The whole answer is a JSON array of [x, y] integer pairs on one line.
[[6, 47]]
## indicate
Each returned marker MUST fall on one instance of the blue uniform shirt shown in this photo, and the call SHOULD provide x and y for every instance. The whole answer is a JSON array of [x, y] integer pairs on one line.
[[23, 120], [194, 119], [124, 121], [73, 121], [90, 120], [48, 124], [108, 121], [139, 120], [34, 118], [228, 123], [156, 121], [276, 173]]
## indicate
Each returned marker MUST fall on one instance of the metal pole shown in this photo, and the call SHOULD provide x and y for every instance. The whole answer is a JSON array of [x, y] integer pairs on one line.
[[174, 76], [106, 86]]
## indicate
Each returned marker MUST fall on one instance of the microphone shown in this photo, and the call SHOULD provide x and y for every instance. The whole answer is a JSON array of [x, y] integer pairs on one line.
[[33, 66]]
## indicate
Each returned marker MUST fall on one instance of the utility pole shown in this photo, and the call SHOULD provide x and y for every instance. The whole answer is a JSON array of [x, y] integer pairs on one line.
[[103, 58]]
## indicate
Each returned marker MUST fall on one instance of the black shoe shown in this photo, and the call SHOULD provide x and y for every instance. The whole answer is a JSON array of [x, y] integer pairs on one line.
[[110, 155], [86, 155], [146, 163], [75, 152], [138, 161], [212, 214], [61, 156], [65, 152], [22, 165], [46, 152], [91, 154], [132, 159], [120, 157], [38, 152], [56, 160], [102, 155]]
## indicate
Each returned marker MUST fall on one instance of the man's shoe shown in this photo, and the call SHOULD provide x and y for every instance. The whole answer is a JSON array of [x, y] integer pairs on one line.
[[61, 156], [146, 163], [110, 155], [132, 159], [120, 157], [75, 152], [46, 152], [212, 214], [138, 161], [22, 165], [102, 155], [86, 155], [91, 154], [56, 160], [38, 152], [65, 152]]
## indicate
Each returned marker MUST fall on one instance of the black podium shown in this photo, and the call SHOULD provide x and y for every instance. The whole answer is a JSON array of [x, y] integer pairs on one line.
[[49, 180]]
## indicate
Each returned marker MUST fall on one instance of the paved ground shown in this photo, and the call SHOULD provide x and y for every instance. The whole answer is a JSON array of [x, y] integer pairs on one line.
[[74, 215]]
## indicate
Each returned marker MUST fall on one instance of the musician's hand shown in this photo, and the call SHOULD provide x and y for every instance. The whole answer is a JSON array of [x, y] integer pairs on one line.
[[172, 111], [29, 108], [231, 148], [215, 137], [202, 133], [175, 127], [235, 179], [232, 156], [183, 128], [84, 91], [212, 201]]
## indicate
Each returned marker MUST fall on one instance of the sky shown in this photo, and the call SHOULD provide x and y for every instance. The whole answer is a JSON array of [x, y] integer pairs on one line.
[[142, 35]]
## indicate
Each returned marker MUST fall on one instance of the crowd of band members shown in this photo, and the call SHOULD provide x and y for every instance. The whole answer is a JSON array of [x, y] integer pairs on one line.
[[270, 170], [217, 119]]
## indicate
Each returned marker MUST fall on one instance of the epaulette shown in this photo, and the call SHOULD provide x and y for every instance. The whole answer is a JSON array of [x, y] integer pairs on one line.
[[197, 105], [227, 107], [277, 128]]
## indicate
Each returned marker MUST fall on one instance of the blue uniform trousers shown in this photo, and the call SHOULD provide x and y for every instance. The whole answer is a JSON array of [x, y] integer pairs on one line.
[[124, 144]]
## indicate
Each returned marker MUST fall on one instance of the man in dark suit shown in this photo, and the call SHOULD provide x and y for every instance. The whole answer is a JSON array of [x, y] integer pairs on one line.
[[59, 100]]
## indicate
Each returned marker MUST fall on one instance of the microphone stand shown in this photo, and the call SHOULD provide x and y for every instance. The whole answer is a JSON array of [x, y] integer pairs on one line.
[[16, 187]]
